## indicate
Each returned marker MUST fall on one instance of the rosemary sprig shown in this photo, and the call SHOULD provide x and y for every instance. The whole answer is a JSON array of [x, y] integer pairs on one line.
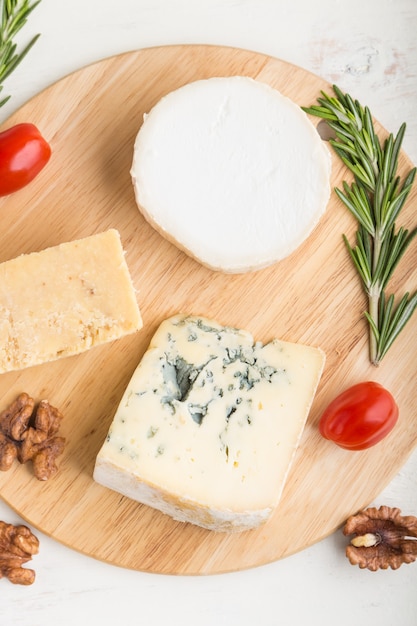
[[375, 198], [13, 16]]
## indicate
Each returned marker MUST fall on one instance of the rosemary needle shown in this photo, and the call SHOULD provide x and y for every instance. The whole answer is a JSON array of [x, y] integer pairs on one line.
[[13, 16], [375, 198]]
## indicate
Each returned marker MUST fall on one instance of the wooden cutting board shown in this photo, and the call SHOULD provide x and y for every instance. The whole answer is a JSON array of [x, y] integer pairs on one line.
[[91, 119]]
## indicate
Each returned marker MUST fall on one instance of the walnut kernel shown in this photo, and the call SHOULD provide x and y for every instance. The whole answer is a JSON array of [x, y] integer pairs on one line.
[[17, 546], [383, 538], [29, 433]]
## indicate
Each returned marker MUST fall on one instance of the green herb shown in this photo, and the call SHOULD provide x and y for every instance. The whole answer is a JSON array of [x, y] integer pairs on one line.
[[375, 198], [13, 16]]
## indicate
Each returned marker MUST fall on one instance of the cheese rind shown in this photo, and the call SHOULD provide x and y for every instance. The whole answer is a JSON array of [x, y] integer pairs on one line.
[[232, 172], [64, 300], [209, 424]]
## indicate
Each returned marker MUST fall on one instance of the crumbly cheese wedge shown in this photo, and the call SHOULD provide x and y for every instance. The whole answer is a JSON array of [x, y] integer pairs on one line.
[[209, 424], [232, 172], [64, 300]]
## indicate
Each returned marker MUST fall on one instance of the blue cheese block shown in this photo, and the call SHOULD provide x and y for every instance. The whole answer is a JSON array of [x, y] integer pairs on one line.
[[208, 426]]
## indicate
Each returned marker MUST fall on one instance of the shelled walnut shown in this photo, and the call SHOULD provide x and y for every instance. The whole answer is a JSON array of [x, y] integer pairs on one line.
[[30, 433], [17, 546], [383, 538]]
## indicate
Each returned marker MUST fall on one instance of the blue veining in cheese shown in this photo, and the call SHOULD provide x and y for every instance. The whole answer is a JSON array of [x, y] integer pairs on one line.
[[208, 426]]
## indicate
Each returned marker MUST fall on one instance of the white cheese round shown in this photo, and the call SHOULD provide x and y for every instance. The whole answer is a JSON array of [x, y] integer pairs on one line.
[[232, 172]]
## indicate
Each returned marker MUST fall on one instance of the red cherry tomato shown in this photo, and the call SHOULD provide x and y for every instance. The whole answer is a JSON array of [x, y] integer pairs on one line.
[[23, 153], [359, 417]]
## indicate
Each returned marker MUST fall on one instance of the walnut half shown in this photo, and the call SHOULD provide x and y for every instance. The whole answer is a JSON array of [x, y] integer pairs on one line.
[[383, 538], [17, 546]]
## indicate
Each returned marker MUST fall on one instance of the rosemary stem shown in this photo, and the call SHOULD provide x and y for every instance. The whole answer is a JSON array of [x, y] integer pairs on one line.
[[13, 16], [375, 198], [376, 251], [374, 294], [373, 309]]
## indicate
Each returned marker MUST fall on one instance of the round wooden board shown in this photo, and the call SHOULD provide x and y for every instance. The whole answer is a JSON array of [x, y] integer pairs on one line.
[[91, 119]]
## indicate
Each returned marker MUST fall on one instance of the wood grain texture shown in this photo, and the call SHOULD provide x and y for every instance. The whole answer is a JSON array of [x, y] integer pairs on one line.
[[91, 119]]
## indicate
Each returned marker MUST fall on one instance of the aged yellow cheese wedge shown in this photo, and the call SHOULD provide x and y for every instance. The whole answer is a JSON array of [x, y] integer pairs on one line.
[[64, 300]]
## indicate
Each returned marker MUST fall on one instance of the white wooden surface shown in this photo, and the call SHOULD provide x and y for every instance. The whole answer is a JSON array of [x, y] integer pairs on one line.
[[367, 48]]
